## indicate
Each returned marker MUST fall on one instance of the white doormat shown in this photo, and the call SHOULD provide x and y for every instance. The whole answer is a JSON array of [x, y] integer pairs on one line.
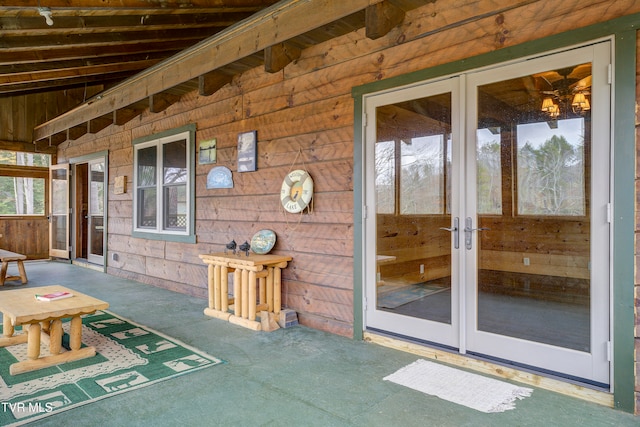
[[461, 387]]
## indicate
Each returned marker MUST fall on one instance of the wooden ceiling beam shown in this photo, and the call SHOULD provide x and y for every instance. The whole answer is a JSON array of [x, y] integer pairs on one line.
[[123, 115], [27, 147], [82, 62], [210, 83], [280, 55], [44, 144], [63, 74], [161, 101], [276, 24], [58, 53], [133, 21], [58, 138], [77, 131], [381, 18], [62, 84], [137, 4], [99, 123], [9, 44]]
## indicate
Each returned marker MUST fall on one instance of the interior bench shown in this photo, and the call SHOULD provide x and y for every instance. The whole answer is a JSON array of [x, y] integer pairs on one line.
[[6, 257]]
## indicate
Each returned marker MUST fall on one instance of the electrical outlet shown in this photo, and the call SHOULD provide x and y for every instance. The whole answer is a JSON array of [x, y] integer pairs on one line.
[[421, 268], [526, 261]]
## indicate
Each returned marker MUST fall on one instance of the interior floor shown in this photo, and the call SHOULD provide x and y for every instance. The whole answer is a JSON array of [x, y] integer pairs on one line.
[[292, 376], [563, 323]]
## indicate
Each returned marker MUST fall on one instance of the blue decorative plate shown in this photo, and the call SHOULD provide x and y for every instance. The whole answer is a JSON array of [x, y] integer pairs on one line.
[[263, 241]]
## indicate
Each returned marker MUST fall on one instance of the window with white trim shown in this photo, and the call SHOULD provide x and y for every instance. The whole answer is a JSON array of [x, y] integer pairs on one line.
[[164, 185]]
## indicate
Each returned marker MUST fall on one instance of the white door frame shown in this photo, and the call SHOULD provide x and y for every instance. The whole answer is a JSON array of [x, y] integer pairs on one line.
[[593, 366]]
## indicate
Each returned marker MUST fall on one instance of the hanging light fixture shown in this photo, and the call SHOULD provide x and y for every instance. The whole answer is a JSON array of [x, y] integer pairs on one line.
[[580, 103], [547, 104], [567, 97], [550, 107], [554, 111]]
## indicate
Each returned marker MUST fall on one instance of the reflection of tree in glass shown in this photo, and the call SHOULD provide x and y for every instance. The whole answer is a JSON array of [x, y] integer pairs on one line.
[[489, 178], [422, 175], [551, 178], [175, 175], [385, 177]]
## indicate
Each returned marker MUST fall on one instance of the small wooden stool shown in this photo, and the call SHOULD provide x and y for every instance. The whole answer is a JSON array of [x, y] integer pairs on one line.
[[6, 257]]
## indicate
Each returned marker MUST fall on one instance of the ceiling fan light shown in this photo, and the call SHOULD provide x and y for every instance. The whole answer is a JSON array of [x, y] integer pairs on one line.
[[580, 103], [547, 105], [578, 99]]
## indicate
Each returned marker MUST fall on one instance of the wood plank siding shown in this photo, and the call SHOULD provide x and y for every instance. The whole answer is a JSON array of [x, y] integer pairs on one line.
[[304, 118], [306, 108]]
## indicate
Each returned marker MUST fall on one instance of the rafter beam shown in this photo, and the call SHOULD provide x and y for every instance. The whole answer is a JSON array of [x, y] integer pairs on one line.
[[280, 55], [210, 83], [27, 147], [77, 131], [382, 18], [161, 101], [114, 5], [58, 138], [68, 73], [125, 114], [276, 24], [99, 123]]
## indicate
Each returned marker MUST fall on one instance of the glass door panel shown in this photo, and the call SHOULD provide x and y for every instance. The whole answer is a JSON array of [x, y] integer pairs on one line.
[[412, 171], [530, 269], [96, 211], [59, 215], [413, 252]]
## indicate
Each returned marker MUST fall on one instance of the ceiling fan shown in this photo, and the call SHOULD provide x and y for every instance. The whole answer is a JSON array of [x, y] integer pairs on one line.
[[571, 92]]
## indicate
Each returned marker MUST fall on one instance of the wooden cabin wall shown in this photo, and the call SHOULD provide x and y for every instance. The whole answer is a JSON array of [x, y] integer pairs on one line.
[[29, 235], [20, 114], [303, 116]]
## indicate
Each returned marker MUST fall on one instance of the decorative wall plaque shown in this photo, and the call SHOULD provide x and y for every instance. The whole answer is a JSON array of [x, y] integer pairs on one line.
[[219, 177], [247, 151], [207, 151]]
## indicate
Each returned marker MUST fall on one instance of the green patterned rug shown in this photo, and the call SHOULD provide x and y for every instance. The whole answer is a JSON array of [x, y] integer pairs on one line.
[[129, 356]]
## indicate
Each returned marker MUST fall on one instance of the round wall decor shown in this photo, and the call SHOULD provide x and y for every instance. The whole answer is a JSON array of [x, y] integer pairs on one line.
[[297, 191]]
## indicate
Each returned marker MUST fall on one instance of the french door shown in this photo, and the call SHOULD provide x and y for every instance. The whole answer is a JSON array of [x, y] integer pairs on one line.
[[96, 212], [488, 206], [59, 211]]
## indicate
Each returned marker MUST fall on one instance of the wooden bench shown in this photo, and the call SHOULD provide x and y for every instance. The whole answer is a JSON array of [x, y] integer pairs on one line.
[[6, 257]]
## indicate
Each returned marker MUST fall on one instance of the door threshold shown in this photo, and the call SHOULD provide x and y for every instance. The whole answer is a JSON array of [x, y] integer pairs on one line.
[[86, 264], [565, 387]]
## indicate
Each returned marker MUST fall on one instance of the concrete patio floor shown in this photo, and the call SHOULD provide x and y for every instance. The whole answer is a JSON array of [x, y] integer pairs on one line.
[[290, 377]]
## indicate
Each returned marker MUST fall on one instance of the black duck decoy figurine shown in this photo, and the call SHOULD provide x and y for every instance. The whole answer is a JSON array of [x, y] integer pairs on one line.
[[231, 246], [245, 247]]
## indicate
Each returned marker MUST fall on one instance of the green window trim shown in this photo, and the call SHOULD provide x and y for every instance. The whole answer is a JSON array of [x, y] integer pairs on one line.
[[189, 235]]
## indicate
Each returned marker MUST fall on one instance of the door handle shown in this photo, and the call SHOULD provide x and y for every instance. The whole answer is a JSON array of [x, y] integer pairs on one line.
[[468, 232], [456, 231]]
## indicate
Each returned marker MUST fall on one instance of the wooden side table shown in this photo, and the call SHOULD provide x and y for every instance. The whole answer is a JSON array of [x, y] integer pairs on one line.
[[257, 286]]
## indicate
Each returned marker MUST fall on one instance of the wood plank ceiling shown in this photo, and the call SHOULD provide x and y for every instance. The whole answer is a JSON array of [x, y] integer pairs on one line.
[[102, 41], [125, 45]]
